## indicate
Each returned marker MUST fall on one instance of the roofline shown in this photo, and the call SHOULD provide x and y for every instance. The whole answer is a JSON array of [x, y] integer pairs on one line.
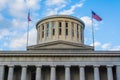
[[59, 54], [61, 16]]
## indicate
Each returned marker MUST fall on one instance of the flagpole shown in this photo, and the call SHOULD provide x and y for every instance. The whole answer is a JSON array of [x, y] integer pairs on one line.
[[28, 19], [27, 34], [93, 33]]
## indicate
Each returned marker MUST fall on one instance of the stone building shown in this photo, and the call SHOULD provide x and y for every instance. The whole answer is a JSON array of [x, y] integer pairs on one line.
[[60, 54]]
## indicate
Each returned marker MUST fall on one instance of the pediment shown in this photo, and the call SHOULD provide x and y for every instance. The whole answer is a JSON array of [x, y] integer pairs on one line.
[[59, 45]]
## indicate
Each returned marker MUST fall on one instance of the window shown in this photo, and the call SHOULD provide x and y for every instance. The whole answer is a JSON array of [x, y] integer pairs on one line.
[[47, 31], [77, 31], [66, 24], [60, 26], [42, 31], [53, 28]]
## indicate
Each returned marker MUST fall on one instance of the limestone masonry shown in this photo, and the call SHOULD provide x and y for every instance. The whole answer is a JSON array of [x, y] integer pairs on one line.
[[60, 54]]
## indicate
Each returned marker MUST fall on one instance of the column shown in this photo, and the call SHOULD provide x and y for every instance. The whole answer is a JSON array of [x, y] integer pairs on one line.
[[67, 72], [1, 72], [82, 34], [63, 30], [109, 73], [38, 73], [53, 73], [82, 72], [45, 28], [10, 73], [70, 31], [56, 30], [96, 73], [79, 39], [75, 32], [51, 26], [40, 34], [118, 72], [24, 73]]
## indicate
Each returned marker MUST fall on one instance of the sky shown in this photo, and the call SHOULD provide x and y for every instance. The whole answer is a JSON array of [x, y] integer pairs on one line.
[[13, 21]]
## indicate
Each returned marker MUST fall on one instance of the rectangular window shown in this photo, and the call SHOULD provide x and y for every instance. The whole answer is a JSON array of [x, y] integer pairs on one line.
[[66, 28], [42, 31], [47, 32], [53, 28], [77, 31], [60, 26], [53, 32]]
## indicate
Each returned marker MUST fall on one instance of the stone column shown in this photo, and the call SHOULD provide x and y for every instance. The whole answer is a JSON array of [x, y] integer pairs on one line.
[[75, 32], [40, 34], [118, 72], [38, 73], [96, 73], [109, 73], [53, 73], [56, 30], [82, 34], [50, 33], [79, 33], [63, 30], [24, 73], [1, 72], [67, 72], [70, 31], [82, 72], [10, 73], [45, 32]]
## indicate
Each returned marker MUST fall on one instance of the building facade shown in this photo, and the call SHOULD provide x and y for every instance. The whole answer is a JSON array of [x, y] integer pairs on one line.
[[60, 54]]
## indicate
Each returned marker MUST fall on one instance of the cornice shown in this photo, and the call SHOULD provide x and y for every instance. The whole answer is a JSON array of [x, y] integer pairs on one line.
[[59, 54], [61, 16]]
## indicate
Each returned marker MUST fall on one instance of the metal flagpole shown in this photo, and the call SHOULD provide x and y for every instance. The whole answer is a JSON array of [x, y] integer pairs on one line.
[[93, 34], [28, 27], [27, 34]]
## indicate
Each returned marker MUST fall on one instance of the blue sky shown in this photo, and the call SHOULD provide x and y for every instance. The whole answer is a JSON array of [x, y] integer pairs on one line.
[[13, 21]]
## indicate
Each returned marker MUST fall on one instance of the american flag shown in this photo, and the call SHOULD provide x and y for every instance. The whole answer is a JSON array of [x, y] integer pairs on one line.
[[95, 16], [29, 19]]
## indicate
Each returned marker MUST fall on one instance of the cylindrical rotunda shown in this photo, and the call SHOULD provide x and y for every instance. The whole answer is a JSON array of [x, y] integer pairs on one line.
[[60, 27]]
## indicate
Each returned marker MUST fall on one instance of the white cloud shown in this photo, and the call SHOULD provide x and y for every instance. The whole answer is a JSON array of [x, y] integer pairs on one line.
[[71, 10], [97, 44], [4, 33], [87, 20], [17, 8], [20, 42], [55, 2], [106, 46], [3, 4], [19, 24], [33, 4], [55, 10], [115, 48], [1, 17]]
